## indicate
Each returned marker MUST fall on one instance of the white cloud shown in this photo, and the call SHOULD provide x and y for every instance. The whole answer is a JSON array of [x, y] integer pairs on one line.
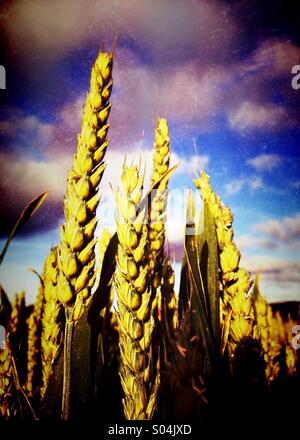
[[282, 235], [191, 165], [62, 25], [234, 187], [285, 229], [28, 177], [274, 254], [265, 162], [18, 128], [19, 122], [276, 56], [280, 276], [197, 163], [276, 291], [256, 183], [24, 176], [246, 242], [271, 265], [251, 115], [190, 91], [250, 241], [190, 97]]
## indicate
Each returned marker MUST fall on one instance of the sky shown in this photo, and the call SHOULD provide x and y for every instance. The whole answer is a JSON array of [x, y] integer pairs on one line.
[[220, 71]]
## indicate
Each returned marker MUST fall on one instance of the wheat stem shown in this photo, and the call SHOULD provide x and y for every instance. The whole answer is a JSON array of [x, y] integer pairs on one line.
[[66, 393]]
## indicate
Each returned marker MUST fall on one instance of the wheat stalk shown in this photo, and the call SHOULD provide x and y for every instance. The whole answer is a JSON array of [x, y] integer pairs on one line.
[[14, 350], [34, 342], [290, 352], [7, 390], [290, 360], [32, 355], [237, 308], [76, 251], [16, 317], [156, 233], [169, 298], [76, 261], [5, 308], [269, 331], [16, 335], [134, 301], [52, 321], [103, 243]]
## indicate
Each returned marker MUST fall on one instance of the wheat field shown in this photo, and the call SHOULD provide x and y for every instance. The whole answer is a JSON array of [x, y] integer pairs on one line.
[[159, 353]]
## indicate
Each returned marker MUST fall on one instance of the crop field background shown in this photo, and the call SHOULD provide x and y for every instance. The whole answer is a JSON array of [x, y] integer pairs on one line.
[[149, 210]]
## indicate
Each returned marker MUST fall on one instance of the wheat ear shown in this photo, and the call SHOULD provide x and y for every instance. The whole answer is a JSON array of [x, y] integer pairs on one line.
[[290, 351], [267, 332], [34, 341], [103, 243], [235, 281], [14, 335], [76, 251], [169, 298], [140, 386], [52, 320], [76, 261], [7, 389], [156, 233]]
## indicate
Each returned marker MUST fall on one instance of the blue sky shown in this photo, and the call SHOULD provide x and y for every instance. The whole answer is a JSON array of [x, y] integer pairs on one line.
[[219, 70]]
